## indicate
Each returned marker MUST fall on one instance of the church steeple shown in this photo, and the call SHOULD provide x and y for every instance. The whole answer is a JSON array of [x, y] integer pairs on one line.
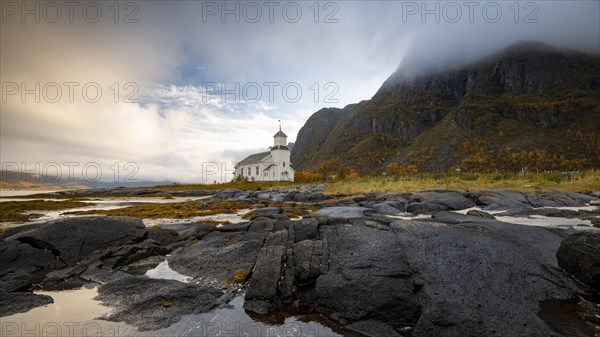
[[280, 137]]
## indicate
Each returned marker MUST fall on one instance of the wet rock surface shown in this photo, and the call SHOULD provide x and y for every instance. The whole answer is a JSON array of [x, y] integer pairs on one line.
[[151, 304], [579, 254], [14, 303], [355, 260]]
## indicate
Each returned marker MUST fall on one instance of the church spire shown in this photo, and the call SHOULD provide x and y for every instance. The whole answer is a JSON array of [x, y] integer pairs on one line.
[[279, 124]]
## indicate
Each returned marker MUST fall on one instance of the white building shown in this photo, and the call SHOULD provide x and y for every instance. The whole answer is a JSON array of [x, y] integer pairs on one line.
[[272, 165]]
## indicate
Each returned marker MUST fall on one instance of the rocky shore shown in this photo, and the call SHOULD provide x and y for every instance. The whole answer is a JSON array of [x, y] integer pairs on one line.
[[366, 262]]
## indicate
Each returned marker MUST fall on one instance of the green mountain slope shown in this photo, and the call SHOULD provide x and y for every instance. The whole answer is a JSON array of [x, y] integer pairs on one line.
[[531, 105]]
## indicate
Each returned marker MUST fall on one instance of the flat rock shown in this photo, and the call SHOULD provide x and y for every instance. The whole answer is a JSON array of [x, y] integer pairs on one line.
[[483, 276], [425, 207], [218, 255], [450, 199], [14, 303], [501, 199], [343, 212], [73, 239], [151, 304]]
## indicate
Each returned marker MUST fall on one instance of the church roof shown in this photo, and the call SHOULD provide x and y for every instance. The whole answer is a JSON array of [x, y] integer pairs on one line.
[[254, 158], [280, 134]]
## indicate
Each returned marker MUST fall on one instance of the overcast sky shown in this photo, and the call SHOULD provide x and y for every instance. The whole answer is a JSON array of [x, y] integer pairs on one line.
[[184, 84]]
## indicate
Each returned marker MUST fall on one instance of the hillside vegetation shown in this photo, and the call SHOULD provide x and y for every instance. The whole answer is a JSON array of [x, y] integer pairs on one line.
[[530, 107]]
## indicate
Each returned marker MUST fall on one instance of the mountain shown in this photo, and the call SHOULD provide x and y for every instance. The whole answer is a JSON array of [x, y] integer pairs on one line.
[[529, 106]]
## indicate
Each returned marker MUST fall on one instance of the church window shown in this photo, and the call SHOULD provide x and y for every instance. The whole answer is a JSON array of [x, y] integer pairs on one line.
[[249, 171], [257, 172]]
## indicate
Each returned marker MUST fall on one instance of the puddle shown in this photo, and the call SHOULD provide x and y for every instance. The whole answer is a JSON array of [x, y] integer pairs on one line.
[[409, 216], [163, 271], [545, 221], [235, 321], [73, 313]]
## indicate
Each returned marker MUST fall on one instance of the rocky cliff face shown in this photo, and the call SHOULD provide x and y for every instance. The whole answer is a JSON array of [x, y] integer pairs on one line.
[[529, 97]]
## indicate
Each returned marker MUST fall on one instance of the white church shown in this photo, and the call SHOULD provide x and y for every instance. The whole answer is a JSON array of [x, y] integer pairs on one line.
[[273, 165]]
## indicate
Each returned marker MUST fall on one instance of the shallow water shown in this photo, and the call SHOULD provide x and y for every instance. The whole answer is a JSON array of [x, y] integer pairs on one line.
[[547, 221], [75, 313], [17, 193], [234, 321]]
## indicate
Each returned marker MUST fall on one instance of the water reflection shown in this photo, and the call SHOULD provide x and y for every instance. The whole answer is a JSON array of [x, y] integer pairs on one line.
[[571, 317], [75, 313]]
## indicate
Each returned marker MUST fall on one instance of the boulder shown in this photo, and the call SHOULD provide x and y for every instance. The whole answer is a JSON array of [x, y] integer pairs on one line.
[[579, 254]]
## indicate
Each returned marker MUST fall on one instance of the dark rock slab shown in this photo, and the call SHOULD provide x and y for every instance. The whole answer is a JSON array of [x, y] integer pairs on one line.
[[238, 227], [425, 207], [127, 254], [342, 212], [482, 278], [450, 199], [579, 254], [73, 239], [265, 225], [218, 255], [262, 294], [164, 236], [14, 303], [305, 229], [188, 230], [150, 304], [368, 277], [389, 207], [501, 199], [481, 214], [22, 264]]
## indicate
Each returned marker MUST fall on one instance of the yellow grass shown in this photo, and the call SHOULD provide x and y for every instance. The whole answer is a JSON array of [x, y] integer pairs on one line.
[[573, 182]]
